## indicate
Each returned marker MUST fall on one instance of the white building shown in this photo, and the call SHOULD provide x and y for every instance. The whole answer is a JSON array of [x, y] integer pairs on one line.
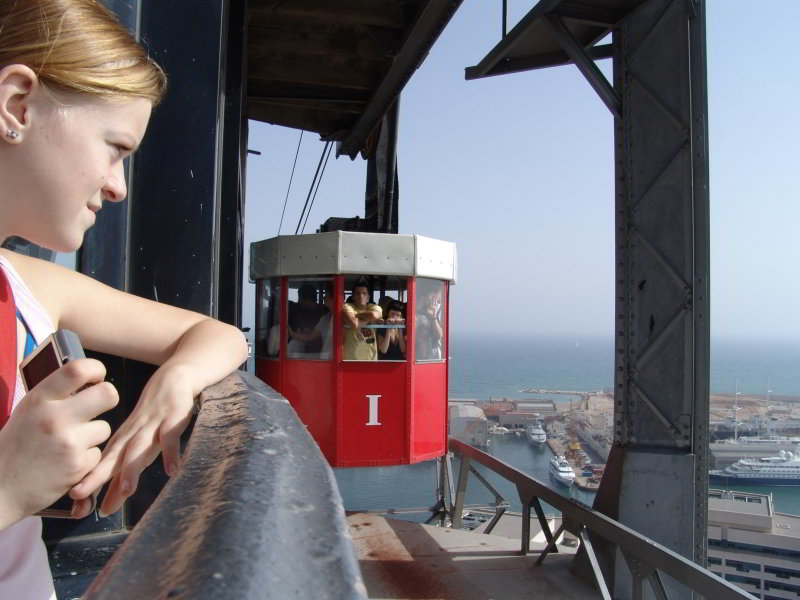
[[468, 424], [752, 546], [538, 406]]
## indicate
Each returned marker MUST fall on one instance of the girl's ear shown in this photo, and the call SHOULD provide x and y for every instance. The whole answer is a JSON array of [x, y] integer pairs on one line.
[[18, 86]]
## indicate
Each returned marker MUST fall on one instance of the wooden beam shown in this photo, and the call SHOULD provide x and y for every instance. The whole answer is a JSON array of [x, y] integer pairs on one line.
[[334, 41], [381, 13], [258, 88], [329, 106], [329, 128], [329, 73]]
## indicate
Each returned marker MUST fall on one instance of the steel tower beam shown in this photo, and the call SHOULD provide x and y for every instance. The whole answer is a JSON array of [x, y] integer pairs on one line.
[[659, 465], [656, 481]]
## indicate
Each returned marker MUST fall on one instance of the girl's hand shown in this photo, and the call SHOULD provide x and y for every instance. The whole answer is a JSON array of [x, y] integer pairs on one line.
[[155, 426], [50, 442]]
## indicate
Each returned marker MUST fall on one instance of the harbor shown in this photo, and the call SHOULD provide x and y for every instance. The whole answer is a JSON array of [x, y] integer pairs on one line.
[[392, 489], [578, 427]]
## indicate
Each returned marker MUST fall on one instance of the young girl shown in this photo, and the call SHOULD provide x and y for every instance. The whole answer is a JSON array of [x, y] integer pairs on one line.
[[76, 93]]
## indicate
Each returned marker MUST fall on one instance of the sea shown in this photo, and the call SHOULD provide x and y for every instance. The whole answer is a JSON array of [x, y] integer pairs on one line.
[[485, 366]]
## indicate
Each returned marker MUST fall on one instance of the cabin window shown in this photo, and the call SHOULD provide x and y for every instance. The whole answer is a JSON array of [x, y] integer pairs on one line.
[[377, 304], [430, 321], [310, 327], [268, 337]]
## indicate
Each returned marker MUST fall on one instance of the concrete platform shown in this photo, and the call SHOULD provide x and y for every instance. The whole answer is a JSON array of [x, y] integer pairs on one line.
[[404, 560]]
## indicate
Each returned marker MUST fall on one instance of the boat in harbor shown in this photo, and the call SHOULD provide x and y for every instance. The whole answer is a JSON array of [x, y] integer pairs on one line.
[[770, 441], [589, 484], [498, 430], [536, 434], [783, 469], [561, 471]]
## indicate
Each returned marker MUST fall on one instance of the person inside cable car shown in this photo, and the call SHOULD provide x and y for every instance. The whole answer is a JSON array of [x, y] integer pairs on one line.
[[392, 341], [359, 340], [304, 316], [320, 336], [268, 334], [429, 327]]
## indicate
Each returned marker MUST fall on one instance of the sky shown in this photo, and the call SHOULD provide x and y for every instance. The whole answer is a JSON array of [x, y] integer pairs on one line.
[[517, 170]]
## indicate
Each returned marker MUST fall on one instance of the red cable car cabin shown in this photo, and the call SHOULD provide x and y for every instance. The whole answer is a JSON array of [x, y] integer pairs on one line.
[[369, 383]]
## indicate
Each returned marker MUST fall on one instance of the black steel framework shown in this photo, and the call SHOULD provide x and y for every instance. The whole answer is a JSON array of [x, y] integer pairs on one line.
[[656, 479], [662, 366], [178, 237]]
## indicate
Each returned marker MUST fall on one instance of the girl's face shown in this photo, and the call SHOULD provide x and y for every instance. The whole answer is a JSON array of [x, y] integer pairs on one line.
[[69, 160]]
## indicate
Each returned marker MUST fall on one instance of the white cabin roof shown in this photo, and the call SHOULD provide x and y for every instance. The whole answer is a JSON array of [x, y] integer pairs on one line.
[[350, 252]]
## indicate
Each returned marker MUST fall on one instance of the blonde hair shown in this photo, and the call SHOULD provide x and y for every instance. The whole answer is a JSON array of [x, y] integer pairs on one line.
[[79, 47]]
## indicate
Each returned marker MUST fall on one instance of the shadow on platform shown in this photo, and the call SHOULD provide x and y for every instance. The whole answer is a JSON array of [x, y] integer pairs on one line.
[[406, 560]]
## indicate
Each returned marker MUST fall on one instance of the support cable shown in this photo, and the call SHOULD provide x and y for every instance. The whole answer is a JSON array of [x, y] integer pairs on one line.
[[319, 182], [290, 181], [311, 189]]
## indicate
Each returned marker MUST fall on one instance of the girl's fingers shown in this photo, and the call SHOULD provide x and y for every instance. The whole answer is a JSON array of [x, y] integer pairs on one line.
[[92, 401], [170, 436], [113, 499], [102, 472], [171, 453], [82, 508], [71, 377], [125, 482], [140, 452], [93, 457], [94, 433]]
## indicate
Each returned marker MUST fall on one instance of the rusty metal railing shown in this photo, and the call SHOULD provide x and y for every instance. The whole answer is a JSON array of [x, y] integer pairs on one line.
[[646, 560], [254, 512]]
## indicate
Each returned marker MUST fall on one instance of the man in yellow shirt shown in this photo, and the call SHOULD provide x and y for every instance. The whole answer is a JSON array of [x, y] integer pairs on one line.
[[359, 342]]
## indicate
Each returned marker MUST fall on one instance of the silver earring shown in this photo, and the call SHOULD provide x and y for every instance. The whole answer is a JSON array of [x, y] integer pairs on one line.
[[11, 134]]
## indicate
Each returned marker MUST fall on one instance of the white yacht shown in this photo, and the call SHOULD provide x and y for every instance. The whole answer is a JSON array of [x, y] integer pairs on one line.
[[536, 434], [561, 471], [498, 430], [763, 441], [783, 469]]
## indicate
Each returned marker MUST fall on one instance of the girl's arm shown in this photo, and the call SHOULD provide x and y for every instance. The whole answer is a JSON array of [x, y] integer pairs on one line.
[[383, 340], [193, 351], [401, 340]]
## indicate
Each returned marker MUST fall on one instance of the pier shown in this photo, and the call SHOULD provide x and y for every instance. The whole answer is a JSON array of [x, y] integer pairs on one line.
[[556, 446]]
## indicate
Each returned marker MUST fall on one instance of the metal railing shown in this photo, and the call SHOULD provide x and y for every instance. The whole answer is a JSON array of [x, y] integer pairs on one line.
[[646, 560], [254, 512]]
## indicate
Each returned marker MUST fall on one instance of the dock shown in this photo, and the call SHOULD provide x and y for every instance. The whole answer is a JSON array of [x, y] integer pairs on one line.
[[590, 484], [556, 446]]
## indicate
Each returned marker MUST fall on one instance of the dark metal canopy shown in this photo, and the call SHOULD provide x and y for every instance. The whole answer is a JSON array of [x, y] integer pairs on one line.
[[558, 32], [535, 43], [335, 67]]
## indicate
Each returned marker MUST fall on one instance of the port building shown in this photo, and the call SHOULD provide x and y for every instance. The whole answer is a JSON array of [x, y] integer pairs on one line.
[[752, 546], [468, 424]]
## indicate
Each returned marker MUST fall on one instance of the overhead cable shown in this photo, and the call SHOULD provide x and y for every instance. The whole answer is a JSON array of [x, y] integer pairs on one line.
[[290, 181], [311, 189], [319, 181]]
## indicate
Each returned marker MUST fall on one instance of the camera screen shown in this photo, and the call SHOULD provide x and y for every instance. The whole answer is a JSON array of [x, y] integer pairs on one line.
[[40, 366]]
